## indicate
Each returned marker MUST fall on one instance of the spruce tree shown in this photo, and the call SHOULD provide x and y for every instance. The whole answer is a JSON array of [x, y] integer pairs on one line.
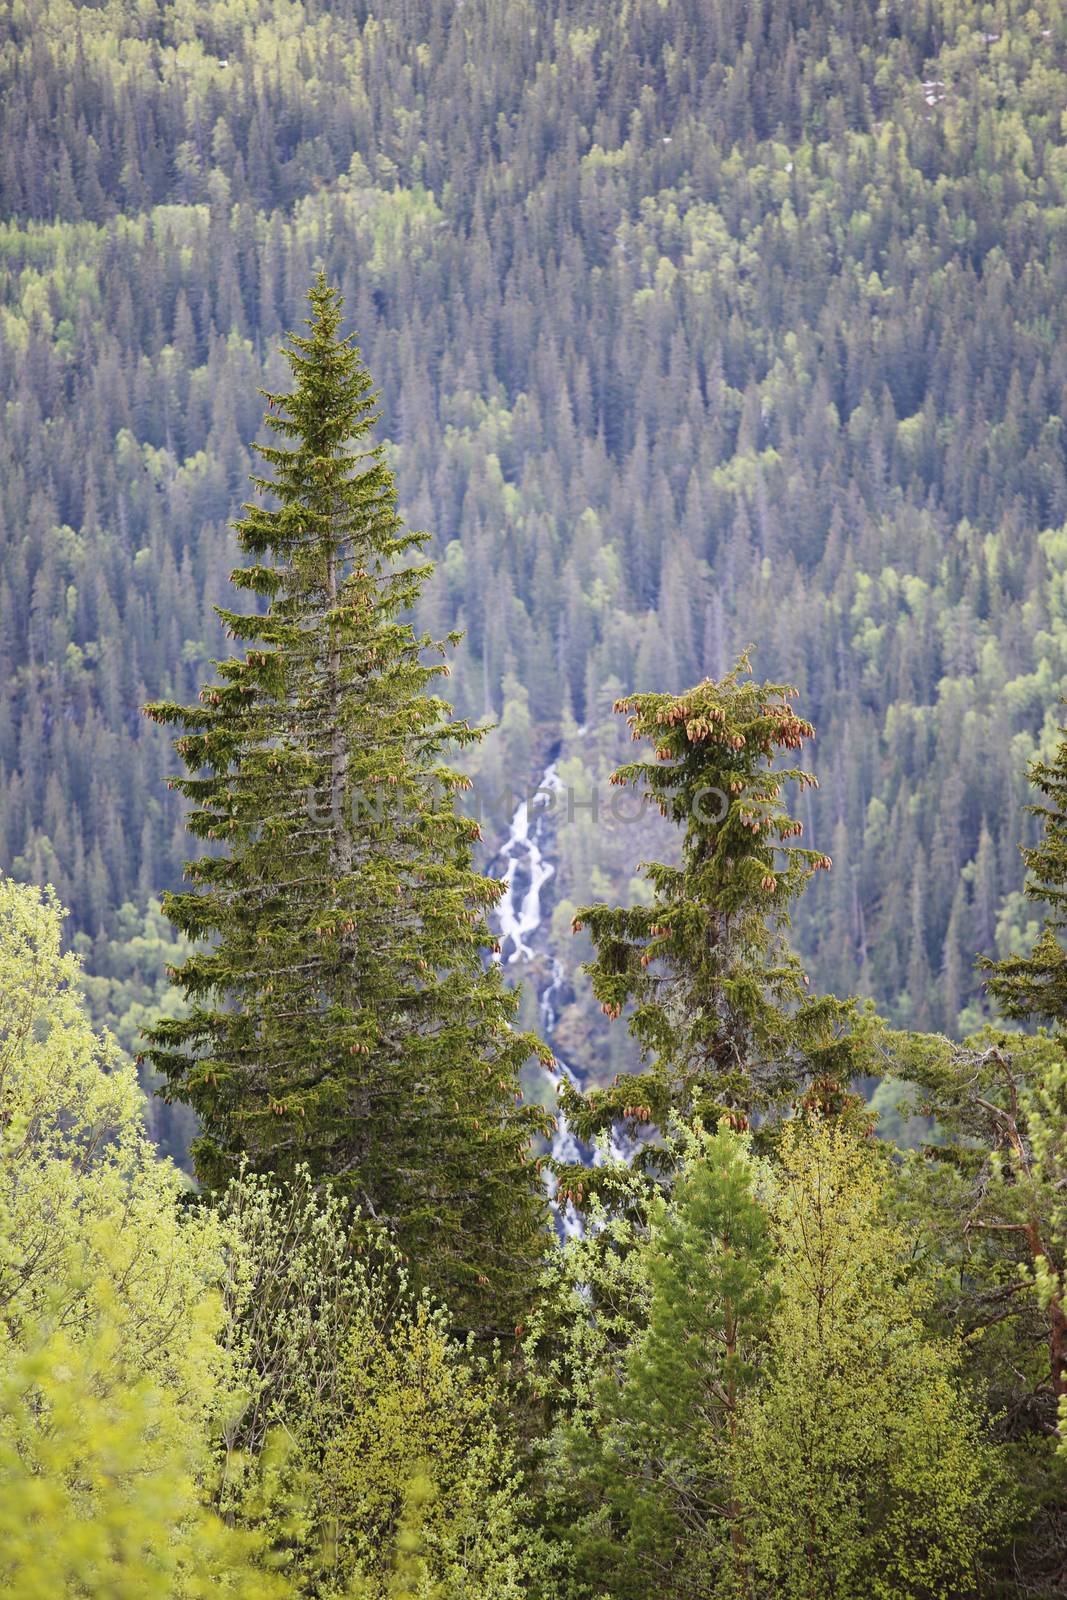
[[662, 1458], [717, 1000], [342, 1010], [1033, 988]]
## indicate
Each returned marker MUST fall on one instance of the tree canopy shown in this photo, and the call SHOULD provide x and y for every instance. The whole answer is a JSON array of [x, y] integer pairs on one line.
[[695, 324]]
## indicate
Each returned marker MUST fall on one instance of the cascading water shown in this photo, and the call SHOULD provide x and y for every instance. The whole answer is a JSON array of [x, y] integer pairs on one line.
[[526, 873], [527, 870]]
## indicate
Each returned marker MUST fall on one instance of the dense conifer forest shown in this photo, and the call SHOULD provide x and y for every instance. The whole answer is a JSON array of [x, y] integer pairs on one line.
[[650, 1186], [696, 326]]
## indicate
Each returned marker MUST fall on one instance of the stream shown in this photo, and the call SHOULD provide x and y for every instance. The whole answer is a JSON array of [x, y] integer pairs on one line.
[[520, 914]]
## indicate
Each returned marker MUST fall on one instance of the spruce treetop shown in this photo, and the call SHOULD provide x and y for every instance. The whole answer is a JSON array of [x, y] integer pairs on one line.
[[342, 1009], [716, 999]]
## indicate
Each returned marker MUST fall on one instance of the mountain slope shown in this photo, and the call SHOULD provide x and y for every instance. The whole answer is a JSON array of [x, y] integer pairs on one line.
[[697, 323]]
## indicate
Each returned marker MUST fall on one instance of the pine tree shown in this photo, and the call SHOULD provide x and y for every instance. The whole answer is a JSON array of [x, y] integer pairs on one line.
[[342, 1011], [654, 1449], [1033, 988], [718, 1000], [710, 1271]]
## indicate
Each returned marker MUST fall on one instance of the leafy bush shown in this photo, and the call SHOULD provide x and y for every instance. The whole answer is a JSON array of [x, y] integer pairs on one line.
[[113, 1374]]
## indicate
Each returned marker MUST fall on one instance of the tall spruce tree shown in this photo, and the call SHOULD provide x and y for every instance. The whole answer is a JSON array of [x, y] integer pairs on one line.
[[717, 1000], [1033, 988], [342, 1009]]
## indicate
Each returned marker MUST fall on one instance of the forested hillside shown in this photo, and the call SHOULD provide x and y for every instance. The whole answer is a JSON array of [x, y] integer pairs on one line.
[[697, 323]]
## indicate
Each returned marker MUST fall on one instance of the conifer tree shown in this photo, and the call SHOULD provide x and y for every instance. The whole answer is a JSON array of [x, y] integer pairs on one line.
[[718, 1000], [661, 1455], [1033, 988], [342, 1010], [645, 1342]]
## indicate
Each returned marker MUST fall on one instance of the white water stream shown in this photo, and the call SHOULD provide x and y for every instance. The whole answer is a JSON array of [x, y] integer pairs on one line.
[[527, 871]]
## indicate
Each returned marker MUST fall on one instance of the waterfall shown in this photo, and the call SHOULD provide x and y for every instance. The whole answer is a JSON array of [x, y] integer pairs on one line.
[[527, 871]]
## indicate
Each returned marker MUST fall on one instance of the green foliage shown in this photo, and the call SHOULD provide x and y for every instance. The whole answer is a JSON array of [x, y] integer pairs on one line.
[[995, 1195], [1033, 988], [988, 1203], [113, 1376], [864, 1470], [348, 1395], [136, 962], [749, 326], [99, 1482], [146, 1344], [1030, 1177], [333, 1353], [697, 322], [655, 1454], [301, 1273], [894, 1109], [749, 1397], [411, 1402], [343, 1013], [410, 1580], [91, 1228], [128, 987], [979, 1194], [717, 999]]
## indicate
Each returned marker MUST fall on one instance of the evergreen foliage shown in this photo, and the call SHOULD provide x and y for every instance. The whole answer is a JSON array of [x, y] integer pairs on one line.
[[659, 1457], [342, 1009], [1033, 988], [696, 323], [749, 1398], [718, 1002], [986, 1188]]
